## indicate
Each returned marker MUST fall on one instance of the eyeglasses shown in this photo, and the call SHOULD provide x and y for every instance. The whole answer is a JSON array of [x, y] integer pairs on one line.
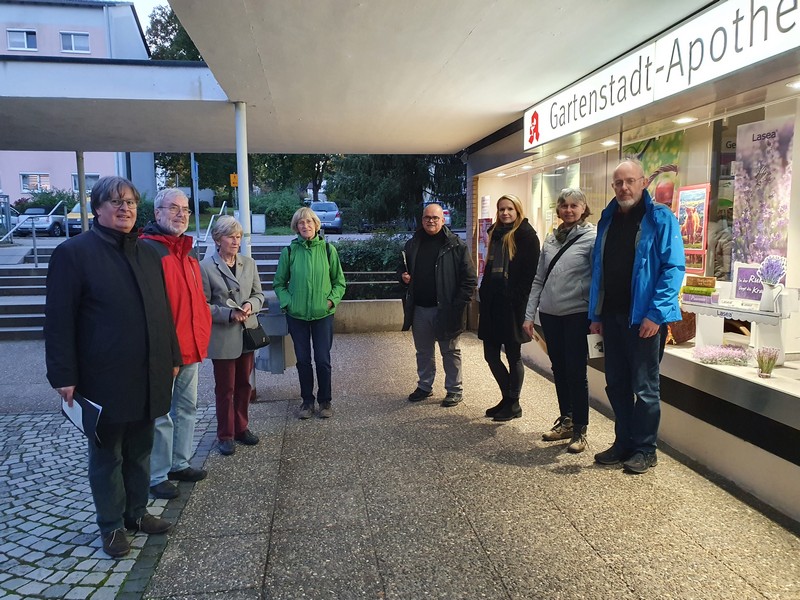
[[629, 182], [432, 219], [174, 210], [117, 202]]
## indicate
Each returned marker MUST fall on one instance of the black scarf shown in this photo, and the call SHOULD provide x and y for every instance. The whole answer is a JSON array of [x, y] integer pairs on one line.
[[499, 267]]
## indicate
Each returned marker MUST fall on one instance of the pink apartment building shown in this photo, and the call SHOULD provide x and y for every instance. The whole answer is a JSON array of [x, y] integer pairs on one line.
[[63, 32]]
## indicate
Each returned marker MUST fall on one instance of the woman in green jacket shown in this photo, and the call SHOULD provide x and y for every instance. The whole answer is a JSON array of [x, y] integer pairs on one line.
[[310, 284]]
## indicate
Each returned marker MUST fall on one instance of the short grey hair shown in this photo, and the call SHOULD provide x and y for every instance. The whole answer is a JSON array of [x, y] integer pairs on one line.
[[225, 225], [577, 195], [167, 194], [305, 213]]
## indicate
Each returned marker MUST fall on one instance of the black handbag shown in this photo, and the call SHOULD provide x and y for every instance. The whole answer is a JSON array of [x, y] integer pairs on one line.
[[254, 338]]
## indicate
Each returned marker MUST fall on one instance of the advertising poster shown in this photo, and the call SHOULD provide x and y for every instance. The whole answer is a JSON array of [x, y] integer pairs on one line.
[[483, 245], [695, 262], [762, 188], [693, 215], [659, 157]]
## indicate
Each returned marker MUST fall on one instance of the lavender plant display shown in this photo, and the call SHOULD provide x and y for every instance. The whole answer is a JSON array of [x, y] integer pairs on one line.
[[772, 269], [762, 189], [734, 356], [766, 357]]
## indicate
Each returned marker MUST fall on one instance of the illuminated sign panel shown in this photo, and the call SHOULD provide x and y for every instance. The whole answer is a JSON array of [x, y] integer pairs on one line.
[[727, 38]]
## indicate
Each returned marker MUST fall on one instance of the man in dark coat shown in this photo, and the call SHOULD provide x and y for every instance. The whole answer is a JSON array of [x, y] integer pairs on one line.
[[441, 279], [110, 337]]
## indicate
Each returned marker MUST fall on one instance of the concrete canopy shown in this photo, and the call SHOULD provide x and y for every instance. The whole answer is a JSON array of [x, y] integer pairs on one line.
[[342, 76]]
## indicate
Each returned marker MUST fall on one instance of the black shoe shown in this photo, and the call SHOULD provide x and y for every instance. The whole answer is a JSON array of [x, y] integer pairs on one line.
[[419, 394], [612, 456], [325, 411], [452, 398], [512, 410], [149, 524], [164, 490], [247, 437], [491, 412], [188, 474], [115, 543], [227, 447], [640, 462], [306, 411]]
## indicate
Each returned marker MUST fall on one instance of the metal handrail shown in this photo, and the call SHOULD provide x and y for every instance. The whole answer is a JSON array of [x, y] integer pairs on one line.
[[23, 218], [211, 222]]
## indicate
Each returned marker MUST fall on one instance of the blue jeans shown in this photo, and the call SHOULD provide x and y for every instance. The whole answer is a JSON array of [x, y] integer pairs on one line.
[[172, 444], [321, 333], [633, 383], [566, 345], [119, 471]]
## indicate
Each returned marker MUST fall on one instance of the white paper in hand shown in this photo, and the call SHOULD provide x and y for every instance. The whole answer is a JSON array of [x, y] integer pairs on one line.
[[84, 414], [596, 348]]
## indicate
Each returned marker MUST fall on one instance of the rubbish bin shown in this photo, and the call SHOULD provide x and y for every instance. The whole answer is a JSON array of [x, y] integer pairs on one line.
[[279, 355]]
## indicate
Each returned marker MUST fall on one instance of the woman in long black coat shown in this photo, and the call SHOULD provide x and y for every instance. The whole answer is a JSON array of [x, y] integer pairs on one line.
[[511, 261]]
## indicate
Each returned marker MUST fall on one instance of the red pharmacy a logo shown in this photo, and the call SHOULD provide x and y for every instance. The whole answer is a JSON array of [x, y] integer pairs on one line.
[[534, 130]]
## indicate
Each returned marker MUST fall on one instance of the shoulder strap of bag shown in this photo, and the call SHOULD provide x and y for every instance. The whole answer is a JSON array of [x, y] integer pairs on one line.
[[230, 293], [553, 262]]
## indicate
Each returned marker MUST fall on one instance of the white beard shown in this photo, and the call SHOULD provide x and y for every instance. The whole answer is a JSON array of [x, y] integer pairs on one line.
[[626, 204]]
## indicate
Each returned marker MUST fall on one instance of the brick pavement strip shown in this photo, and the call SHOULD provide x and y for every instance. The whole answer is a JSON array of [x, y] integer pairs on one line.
[[49, 544]]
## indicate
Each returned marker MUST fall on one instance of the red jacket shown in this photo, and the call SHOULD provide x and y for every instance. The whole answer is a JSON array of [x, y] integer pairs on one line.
[[185, 291]]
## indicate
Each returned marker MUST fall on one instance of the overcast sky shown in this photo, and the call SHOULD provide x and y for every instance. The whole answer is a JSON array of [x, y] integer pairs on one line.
[[144, 8]]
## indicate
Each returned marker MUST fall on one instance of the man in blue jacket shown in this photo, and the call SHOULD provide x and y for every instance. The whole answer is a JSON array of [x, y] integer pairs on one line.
[[637, 271]]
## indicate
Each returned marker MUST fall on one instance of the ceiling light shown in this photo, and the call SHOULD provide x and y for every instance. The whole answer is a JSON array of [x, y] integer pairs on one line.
[[561, 157], [684, 120], [795, 85], [526, 167], [501, 174], [609, 143]]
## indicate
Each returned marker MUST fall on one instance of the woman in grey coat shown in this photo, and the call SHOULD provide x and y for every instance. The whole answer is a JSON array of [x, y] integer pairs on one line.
[[560, 293], [227, 275]]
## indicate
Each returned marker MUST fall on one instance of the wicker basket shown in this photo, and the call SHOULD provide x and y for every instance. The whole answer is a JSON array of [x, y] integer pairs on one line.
[[683, 330]]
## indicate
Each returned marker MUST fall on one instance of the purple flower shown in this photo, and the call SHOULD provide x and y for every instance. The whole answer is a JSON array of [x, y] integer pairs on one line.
[[772, 269], [735, 356]]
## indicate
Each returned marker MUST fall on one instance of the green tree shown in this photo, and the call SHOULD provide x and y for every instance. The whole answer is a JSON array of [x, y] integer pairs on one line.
[[168, 39], [382, 187]]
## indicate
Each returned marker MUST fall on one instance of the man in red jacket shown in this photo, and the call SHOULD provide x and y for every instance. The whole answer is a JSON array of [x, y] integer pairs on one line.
[[172, 445]]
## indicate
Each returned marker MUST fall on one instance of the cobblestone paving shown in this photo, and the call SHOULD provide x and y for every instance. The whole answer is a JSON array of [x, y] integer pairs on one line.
[[49, 542]]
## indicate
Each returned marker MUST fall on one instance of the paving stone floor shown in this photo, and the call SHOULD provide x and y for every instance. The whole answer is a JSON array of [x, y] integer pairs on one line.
[[388, 499]]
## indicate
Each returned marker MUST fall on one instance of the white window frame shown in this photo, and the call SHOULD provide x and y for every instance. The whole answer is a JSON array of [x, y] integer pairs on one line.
[[86, 176], [26, 48], [40, 185], [72, 35]]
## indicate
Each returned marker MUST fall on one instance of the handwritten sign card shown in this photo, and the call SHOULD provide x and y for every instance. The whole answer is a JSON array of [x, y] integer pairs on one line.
[[748, 284]]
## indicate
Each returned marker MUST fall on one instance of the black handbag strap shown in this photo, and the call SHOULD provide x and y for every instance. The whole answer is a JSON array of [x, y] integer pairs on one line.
[[230, 293], [553, 262]]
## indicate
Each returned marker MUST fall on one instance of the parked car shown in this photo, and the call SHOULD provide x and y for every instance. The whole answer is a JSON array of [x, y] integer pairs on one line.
[[53, 225], [74, 219], [329, 215]]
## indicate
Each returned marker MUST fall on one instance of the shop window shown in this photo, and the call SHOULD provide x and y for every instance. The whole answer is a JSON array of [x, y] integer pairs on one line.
[[21, 39], [34, 182], [89, 178], [74, 42]]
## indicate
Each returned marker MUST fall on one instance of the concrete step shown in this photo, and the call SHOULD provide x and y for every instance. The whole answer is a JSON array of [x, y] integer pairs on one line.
[[24, 320], [7, 281], [21, 333], [24, 290]]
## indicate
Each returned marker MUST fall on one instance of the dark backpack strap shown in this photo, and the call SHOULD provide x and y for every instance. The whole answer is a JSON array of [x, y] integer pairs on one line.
[[553, 262]]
